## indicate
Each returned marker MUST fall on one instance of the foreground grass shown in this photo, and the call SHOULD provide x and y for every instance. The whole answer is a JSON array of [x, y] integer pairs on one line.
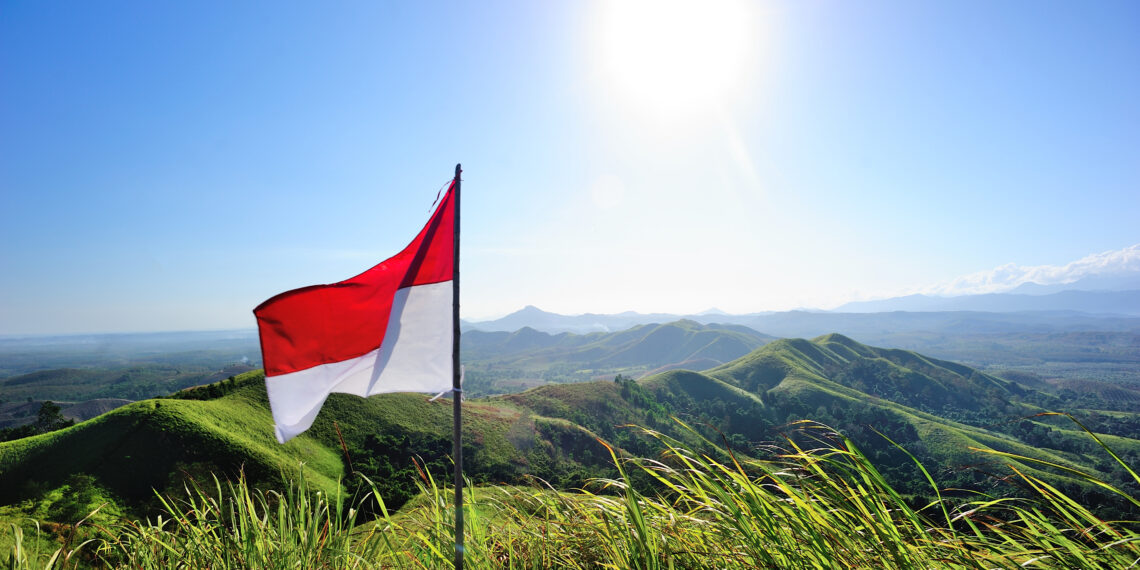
[[820, 507]]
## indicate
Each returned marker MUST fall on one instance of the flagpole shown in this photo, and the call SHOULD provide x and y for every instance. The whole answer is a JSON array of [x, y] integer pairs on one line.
[[457, 390]]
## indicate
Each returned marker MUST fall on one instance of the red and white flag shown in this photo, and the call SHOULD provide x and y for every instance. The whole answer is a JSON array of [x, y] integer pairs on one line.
[[388, 329]]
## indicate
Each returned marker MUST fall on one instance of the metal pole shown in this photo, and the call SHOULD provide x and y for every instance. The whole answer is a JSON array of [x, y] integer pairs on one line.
[[457, 391]]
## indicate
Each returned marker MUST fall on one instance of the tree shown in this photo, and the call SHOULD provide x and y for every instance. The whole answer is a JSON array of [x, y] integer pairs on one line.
[[50, 418]]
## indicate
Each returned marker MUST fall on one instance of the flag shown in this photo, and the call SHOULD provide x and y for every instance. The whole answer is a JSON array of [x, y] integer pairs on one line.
[[388, 329]]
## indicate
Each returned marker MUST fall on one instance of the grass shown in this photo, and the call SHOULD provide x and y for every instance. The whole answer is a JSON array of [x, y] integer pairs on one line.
[[150, 444], [137, 447], [817, 506]]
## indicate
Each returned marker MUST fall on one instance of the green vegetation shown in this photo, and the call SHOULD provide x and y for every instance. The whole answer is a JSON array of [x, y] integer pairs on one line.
[[502, 362], [208, 349], [83, 373], [898, 411], [1101, 364], [820, 506], [134, 382], [156, 444], [48, 419], [937, 410]]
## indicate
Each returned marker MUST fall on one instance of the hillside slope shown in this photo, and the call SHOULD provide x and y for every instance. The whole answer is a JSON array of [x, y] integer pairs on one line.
[[152, 444], [939, 411], [227, 427], [502, 362]]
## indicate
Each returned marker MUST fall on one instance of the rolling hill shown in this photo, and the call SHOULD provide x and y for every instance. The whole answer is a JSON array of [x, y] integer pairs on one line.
[[649, 344], [501, 362], [937, 410]]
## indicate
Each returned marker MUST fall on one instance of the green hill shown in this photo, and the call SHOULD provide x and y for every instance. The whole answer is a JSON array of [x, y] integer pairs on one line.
[[936, 410], [501, 362], [226, 427], [654, 344], [152, 444], [900, 376]]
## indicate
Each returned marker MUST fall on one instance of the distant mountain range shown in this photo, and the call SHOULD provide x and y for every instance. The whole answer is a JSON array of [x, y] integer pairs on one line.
[[538, 319], [1121, 281], [643, 345], [1064, 311], [867, 326], [1091, 302]]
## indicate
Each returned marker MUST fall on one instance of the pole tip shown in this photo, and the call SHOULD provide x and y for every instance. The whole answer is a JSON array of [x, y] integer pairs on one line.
[[457, 170]]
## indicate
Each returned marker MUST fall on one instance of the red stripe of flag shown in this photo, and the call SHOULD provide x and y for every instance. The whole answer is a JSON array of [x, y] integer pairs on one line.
[[323, 324]]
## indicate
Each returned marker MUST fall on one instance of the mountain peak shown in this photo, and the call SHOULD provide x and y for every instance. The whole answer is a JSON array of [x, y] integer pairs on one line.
[[530, 310], [837, 339]]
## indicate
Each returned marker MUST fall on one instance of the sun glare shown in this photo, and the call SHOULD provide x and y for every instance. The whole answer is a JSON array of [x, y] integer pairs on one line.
[[673, 59]]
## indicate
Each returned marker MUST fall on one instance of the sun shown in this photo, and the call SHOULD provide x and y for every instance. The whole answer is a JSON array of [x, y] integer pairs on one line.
[[673, 59]]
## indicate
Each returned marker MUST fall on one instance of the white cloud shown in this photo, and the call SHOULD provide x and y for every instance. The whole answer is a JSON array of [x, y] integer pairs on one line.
[[1010, 276]]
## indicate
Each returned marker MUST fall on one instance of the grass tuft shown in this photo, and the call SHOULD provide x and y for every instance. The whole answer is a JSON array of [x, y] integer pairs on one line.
[[817, 503]]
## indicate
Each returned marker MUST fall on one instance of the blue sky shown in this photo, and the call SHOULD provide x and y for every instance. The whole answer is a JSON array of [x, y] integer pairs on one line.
[[168, 166]]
